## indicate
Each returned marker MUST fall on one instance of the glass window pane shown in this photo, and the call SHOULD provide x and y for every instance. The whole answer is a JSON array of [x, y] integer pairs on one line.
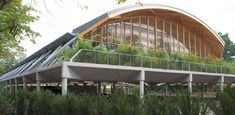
[[174, 36], [127, 31], [135, 36], [144, 32], [180, 37], [159, 33], [151, 32], [166, 35]]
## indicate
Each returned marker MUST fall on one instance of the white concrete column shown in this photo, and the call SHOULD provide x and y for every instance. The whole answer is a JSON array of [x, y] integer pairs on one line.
[[142, 79], [38, 80], [64, 86], [221, 81], [190, 80], [16, 85], [24, 83], [166, 88], [10, 85]]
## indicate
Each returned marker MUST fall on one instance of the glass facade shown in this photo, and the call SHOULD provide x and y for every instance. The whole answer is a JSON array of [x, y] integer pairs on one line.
[[154, 33]]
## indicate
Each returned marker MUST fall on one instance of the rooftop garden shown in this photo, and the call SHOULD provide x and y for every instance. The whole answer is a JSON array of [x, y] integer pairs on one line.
[[127, 55]]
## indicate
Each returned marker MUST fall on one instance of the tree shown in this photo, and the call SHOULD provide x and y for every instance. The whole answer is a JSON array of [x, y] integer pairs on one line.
[[11, 61], [15, 19], [229, 47]]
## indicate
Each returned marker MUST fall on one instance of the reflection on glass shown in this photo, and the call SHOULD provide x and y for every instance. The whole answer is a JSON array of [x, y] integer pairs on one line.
[[135, 36], [144, 29], [174, 36], [151, 32], [159, 33], [166, 36], [127, 31]]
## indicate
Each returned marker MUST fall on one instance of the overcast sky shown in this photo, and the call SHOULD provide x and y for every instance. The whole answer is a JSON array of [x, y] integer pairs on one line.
[[61, 16]]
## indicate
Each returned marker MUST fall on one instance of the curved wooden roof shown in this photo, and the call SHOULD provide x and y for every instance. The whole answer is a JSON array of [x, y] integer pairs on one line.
[[168, 12]]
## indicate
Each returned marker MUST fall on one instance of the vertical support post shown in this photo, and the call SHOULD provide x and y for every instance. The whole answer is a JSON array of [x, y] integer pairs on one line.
[[2, 85], [166, 88], [104, 89], [38, 80], [221, 81], [10, 85], [142, 79], [190, 80], [64, 86], [5, 84], [24, 83], [99, 87], [16, 85]]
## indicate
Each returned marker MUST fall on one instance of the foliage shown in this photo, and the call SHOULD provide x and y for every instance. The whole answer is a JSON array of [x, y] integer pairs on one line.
[[11, 61], [6, 104], [227, 100], [122, 104], [229, 47], [128, 49], [160, 105], [135, 56], [69, 51], [15, 19], [183, 103]]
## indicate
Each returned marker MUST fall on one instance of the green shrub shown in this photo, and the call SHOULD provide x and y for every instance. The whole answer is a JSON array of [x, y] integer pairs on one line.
[[6, 103], [227, 101], [65, 105], [21, 102], [160, 105], [122, 104], [128, 49], [190, 105], [40, 103]]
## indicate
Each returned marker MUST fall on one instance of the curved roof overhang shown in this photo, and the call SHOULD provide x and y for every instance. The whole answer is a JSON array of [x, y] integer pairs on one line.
[[118, 12]]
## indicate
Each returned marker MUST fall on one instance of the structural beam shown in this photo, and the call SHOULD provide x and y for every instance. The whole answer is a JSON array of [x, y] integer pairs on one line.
[[190, 80], [221, 81], [38, 80], [24, 83], [16, 84], [142, 79], [10, 85], [166, 88], [64, 86]]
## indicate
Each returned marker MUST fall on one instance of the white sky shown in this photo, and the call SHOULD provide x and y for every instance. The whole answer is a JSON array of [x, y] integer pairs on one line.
[[65, 15]]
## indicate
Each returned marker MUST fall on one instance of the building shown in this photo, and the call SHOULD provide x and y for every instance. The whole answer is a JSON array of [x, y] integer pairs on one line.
[[158, 27]]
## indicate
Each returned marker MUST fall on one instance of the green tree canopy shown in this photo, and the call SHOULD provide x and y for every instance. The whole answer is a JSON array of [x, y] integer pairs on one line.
[[229, 48], [15, 19]]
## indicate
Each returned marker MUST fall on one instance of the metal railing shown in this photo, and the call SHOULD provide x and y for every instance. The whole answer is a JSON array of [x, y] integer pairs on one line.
[[113, 58]]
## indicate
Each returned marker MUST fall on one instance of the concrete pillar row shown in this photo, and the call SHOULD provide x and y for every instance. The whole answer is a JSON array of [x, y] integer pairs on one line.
[[38, 80], [64, 86], [142, 79], [190, 80]]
